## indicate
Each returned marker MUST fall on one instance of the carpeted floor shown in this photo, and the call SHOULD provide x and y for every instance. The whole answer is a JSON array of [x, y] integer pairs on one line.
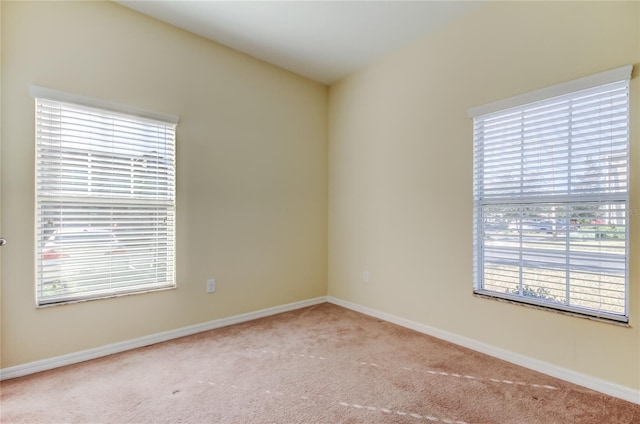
[[322, 364]]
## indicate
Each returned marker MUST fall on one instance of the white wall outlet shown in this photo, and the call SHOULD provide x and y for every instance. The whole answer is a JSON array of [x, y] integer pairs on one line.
[[211, 285], [366, 277]]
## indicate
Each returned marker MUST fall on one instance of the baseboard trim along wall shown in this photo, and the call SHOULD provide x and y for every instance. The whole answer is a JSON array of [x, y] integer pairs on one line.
[[584, 380], [85, 355]]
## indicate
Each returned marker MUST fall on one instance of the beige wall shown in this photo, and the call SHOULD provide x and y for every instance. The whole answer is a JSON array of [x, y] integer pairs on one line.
[[400, 175], [251, 171]]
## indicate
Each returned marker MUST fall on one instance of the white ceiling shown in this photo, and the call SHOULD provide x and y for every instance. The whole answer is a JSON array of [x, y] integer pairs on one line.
[[321, 40]]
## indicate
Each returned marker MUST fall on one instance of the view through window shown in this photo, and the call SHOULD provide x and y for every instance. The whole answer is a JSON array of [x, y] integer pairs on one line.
[[551, 202], [105, 203]]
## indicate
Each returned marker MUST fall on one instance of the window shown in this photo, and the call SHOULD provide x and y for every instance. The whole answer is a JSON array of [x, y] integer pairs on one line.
[[551, 197], [105, 200]]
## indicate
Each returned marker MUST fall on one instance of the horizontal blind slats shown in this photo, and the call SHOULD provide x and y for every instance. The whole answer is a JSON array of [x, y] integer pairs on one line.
[[551, 202], [105, 188]]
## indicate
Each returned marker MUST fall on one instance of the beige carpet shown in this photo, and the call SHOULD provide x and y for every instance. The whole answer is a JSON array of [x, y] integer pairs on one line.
[[322, 364]]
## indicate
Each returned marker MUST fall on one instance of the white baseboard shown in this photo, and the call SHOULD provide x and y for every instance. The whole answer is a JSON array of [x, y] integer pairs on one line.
[[85, 355], [590, 382], [584, 380]]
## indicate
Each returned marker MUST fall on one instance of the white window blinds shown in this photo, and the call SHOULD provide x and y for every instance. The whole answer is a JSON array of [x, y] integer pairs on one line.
[[105, 203], [551, 201]]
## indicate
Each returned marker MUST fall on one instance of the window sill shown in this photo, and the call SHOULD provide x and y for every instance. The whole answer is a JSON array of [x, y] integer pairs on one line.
[[111, 296], [486, 295]]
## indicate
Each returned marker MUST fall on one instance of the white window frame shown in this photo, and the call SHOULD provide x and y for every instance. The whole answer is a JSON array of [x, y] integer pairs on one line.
[[487, 195], [105, 183]]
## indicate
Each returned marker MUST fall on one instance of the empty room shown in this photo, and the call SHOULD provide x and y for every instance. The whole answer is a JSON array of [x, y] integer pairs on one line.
[[320, 212]]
